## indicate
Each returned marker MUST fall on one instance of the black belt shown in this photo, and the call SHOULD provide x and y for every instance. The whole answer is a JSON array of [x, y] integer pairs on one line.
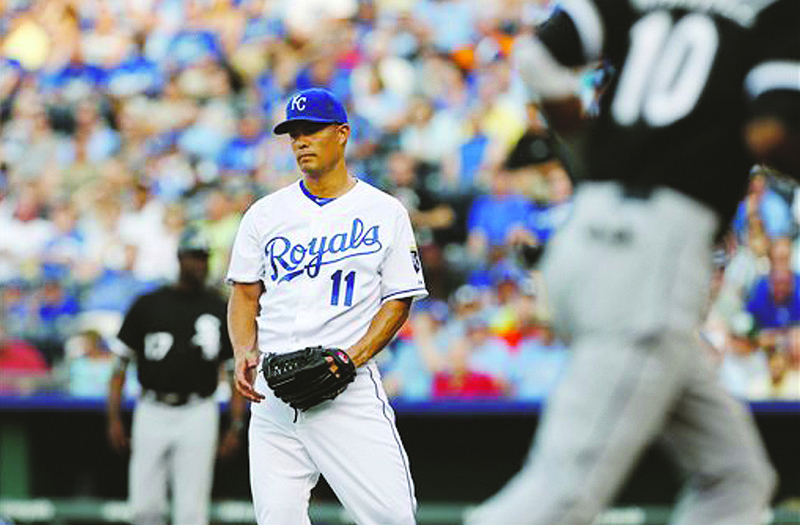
[[173, 399]]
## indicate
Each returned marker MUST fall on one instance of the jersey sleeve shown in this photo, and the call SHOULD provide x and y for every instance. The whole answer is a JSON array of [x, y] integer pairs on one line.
[[247, 262], [401, 271], [130, 338], [580, 32], [772, 85]]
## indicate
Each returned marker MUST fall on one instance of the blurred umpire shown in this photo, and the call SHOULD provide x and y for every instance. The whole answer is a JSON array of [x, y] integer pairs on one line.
[[178, 337], [702, 89]]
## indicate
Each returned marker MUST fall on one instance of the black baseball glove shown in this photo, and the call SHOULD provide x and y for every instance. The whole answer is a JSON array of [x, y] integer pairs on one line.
[[304, 378]]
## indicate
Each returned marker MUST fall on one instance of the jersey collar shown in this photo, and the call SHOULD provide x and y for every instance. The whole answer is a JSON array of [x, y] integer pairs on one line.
[[319, 201]]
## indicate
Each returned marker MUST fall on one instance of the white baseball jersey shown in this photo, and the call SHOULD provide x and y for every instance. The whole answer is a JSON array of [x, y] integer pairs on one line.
[[327, 265]]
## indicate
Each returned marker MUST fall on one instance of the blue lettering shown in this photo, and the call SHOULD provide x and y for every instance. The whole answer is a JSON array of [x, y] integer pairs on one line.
[[355, 233], [372, 237], [312, 246], [313, 266], [338, 243], [285, 255], [297, 254], [271, 252], [312, 269]]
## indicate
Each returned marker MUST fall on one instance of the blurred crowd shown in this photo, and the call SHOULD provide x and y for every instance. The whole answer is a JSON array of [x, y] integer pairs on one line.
[[753, 323], [123, 121]]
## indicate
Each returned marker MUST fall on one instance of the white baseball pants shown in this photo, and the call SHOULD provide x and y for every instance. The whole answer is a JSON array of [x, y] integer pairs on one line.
[[627, 279], [352, 441], [173, 448]]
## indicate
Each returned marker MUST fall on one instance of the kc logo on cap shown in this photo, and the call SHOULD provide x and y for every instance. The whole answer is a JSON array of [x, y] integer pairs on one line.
[[312, 105], [298, 103]]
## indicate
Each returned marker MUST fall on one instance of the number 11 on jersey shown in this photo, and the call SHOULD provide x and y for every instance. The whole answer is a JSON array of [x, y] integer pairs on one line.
[[350, 282]]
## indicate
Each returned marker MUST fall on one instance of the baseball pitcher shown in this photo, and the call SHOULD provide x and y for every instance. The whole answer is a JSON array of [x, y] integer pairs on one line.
[[323, 273]]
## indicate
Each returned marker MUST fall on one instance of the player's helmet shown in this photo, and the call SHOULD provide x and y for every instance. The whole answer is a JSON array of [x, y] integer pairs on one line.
[[193, 240]]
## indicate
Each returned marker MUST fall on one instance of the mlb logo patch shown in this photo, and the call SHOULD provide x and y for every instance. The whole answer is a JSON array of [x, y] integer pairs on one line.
[[415, 260]]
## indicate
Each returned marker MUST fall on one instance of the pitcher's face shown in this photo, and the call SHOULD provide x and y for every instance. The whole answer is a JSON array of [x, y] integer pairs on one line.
[[318, 147]]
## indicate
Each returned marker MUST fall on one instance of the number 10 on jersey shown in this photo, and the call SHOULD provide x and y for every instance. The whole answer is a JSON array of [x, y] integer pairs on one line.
[[350, 283], [666, 69]]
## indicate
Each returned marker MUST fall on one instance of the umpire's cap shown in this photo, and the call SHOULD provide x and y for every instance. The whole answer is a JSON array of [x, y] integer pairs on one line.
[[312, 105], [193, 241]]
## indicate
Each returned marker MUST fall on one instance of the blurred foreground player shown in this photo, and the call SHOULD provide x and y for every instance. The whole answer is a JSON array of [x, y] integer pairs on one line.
[[178, 337], [703, 89]]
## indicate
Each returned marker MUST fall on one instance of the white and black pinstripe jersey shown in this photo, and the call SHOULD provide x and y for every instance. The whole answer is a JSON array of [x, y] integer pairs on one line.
[[689, 74]]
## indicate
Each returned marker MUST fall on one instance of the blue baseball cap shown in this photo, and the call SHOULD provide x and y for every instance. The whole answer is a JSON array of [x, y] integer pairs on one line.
[[312, 105]]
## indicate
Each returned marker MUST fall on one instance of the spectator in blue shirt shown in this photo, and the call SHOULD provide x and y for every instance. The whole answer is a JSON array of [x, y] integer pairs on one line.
[[488, 353], [76, 79], [269, 91], [56, 311], [324, 72], [415, 360], [116, 289], [65, 251], [463, 168], [538, 365], [241, 153], [495, 218], [546, 217], [96, 139], [764, 204], [450, 24], [775, 300], [17, 309], [135, 75], [190, 47]]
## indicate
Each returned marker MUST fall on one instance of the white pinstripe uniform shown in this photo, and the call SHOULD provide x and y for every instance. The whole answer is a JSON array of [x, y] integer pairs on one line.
[[327, 267]]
